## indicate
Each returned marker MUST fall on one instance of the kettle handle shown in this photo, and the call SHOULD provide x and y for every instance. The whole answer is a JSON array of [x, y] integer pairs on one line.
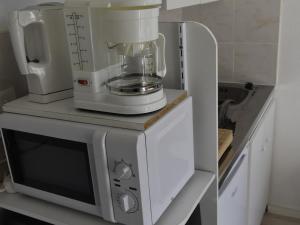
[[17, 21]]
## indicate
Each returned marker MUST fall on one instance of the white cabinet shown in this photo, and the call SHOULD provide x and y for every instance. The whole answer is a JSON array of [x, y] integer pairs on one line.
[[175, 4], [233, 198], [260, 167]]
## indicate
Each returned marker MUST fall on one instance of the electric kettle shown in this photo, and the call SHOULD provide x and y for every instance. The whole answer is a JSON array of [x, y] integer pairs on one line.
[[40, 46]]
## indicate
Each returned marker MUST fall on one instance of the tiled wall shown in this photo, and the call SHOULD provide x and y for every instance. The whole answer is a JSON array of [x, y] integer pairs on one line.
[[247, 33], [9, 72], [171, 15]]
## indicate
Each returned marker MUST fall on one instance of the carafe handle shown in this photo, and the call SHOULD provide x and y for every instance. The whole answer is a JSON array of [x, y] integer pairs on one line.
[[162, 68], [18, 20]]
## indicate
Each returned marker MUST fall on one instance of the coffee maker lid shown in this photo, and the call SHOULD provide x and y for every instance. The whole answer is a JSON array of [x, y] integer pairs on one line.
[[47, 5], [116, 3], [130, 3]]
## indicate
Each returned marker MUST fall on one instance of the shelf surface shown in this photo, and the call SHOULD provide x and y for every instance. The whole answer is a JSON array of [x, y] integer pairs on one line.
[[65, 110], [177, 213]]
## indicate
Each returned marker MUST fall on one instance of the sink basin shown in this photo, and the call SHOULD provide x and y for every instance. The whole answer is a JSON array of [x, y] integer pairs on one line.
[[235, 94], [232, 97]]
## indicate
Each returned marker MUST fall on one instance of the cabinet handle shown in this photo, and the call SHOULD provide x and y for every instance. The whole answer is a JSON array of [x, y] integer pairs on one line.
[[232, 173]]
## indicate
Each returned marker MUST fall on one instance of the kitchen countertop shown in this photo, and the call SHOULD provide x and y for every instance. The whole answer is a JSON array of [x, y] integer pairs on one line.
[[247, 117]]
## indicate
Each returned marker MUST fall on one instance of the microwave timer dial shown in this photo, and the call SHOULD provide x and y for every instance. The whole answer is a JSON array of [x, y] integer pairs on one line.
[[128, 203], [123, 170]]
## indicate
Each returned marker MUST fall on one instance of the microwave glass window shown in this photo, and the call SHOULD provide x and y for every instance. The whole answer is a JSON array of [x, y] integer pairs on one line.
[[50, 164]]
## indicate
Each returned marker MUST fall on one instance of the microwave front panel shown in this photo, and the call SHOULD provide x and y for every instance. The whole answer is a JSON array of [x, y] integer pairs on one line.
[[50, 164], [49, 127], [126, 154], [54, 160]]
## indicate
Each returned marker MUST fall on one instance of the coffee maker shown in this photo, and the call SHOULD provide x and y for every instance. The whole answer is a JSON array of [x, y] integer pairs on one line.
[[117, 55]]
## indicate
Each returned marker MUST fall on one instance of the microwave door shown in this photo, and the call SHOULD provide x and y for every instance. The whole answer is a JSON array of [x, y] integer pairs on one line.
[[102, 175], [58, 161], [57, 170], [50, 164]]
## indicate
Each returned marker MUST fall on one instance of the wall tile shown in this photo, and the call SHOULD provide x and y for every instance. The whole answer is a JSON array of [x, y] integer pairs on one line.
[[247, 32], [218, 16], [226, 62], [9, 72], [255, 63], [257, 20], [170, 15]]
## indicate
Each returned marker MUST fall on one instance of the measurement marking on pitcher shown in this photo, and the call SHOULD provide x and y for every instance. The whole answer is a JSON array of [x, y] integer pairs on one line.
[[77, 45], [75, 18]]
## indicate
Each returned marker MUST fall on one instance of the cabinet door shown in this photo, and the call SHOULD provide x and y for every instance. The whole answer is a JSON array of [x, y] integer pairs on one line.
[[260, 167], [234, 196]]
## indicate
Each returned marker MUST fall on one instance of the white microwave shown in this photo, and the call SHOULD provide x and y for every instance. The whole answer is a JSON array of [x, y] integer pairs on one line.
[[122, 175]]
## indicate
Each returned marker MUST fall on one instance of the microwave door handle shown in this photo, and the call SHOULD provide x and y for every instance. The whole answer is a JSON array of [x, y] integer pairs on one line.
[[102, 172]]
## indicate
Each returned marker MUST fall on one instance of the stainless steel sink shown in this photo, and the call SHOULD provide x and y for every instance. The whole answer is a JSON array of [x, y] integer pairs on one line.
[[235, 93], [232, 97]]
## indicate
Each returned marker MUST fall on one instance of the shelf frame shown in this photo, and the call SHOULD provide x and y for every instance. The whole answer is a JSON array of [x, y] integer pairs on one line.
[[177, 213]]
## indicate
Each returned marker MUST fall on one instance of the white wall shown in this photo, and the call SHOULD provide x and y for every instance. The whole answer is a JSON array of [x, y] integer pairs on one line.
[[285, 193]]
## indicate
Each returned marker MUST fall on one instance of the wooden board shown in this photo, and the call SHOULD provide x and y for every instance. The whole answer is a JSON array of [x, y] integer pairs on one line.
[[225, 140], [171, 105], [65, 110]]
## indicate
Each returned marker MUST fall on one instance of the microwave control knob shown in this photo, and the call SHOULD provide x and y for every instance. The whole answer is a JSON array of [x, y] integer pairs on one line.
[[123, 171], [127, 203]]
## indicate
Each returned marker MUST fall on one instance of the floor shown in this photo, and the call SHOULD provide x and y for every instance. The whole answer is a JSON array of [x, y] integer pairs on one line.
[[279, 220]]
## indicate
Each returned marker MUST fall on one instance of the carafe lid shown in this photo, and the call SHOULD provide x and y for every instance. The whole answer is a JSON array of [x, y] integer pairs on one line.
[[46, 6], [135, 3], [125, 4]]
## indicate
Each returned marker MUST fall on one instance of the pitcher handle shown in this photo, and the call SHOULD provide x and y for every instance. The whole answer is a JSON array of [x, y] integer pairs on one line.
[[162, 68], [18, 20]]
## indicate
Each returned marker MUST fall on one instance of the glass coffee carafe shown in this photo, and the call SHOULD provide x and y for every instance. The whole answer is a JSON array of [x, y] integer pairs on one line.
[[136, 68]]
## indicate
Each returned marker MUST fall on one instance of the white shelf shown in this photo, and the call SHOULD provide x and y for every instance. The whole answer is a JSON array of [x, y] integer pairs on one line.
[[65, 110], [178, 212], [185, 203]]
